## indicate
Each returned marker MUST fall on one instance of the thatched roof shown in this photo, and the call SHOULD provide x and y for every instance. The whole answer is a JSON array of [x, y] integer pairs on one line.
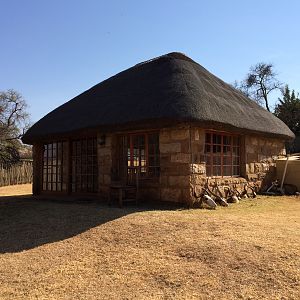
[[170, 88]]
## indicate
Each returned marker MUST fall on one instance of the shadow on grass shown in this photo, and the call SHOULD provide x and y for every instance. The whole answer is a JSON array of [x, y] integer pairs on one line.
[[27, 222]]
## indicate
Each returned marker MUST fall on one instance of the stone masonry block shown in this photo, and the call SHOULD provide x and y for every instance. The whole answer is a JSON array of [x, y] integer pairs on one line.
[[180, 158], [164, 136], [171, 194], [198, 169], [180, 134], [102, 151], [170, 148], [106, 179], [179, 181]]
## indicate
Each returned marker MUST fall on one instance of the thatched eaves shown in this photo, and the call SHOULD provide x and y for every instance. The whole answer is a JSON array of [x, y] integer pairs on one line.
[[166, 90]]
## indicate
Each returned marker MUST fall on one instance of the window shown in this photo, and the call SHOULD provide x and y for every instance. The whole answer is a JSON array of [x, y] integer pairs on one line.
[[53, 167], [143, 154], [84, 166], [222, 154]]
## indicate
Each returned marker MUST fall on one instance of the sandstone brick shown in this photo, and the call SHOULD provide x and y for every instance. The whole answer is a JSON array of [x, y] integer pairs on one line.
[[185, 147], [251, 157], [164, 136], [186, 195], [104, 192], [103, 151], [198, 169], [250, 148], [178, 181], [180, 134], [269, 143], [149, 194], [198, 180], [181, 158], [175, 169], [163, 181], [106, 179], [196, 135], [254, 141], [171, 194], [170, 148], [247, 168], [197, 148], [100, 179]]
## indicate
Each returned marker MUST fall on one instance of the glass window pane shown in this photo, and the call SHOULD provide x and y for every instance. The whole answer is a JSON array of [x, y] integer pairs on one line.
[[84, 166], [216, 149], [207, 148], [226, 140], [208, 159], [236, 160], [208, 170], [217, 160], [227, 171], [227, 160], [236, 170], [226, 150], [236, 150], [217, 139], [217, 171], [208, 138], [236, 141]]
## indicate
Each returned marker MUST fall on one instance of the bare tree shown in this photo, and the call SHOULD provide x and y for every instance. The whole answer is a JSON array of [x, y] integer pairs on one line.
[[260, 82], [13, 115], [241, 87], [14, 121]]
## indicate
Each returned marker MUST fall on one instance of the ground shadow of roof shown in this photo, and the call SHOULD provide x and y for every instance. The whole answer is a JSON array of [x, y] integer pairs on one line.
[[28, 222]]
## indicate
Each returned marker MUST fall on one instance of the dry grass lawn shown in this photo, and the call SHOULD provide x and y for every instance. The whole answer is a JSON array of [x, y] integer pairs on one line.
[[16, 190], [86, 250]]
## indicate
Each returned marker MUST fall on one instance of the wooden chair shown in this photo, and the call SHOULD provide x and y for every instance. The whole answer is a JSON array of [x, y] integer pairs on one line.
[[126, 191]]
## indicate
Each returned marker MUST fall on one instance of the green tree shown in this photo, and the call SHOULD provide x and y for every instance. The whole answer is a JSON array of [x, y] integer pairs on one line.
[[288, 109]]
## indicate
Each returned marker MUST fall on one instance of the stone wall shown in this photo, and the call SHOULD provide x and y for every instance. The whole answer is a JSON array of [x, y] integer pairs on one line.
[[261, 155], [258, 157], [182, 164], [175, 159]]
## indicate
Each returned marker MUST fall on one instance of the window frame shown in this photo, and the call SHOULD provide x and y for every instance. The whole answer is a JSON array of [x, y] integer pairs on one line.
[[234, 155], [53, 163], [84, 165], [130, 161]]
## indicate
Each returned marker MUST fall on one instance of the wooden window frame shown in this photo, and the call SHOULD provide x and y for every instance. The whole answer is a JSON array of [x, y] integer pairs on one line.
[[234, 153], [53, 164], [144, 170], [81, 161]]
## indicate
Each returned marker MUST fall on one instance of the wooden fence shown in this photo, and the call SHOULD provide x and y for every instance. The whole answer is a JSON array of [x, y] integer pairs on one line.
[[16, 174]]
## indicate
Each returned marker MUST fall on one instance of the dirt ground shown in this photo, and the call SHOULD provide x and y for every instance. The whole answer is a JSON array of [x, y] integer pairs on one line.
[[87, 250]]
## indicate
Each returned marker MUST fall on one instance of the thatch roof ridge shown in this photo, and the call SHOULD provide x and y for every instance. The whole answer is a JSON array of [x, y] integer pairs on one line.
[[168, 87]]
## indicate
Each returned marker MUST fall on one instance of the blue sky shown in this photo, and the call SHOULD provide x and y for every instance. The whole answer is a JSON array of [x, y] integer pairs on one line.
[[53, 50]]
